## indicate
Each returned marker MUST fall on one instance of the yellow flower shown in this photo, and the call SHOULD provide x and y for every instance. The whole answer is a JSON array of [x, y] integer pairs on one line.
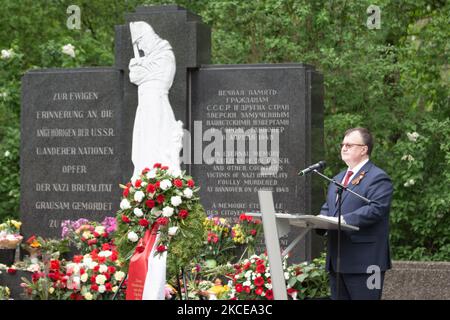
[[35, 244], [51, 290], [16, 224], [88, 296]]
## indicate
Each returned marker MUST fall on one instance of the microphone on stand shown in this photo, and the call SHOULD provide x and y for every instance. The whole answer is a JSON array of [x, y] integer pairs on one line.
[[317, 166]]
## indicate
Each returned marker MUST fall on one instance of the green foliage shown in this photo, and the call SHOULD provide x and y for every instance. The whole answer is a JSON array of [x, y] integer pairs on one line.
[[392, 80]]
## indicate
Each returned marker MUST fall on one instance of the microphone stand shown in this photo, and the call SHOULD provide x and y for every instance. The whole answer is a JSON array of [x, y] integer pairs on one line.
[[340, 189]]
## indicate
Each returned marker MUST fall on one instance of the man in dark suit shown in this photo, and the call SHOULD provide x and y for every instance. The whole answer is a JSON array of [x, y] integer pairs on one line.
[[365, 253]]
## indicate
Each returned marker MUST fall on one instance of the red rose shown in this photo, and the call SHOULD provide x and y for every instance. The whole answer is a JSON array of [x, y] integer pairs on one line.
[[94, 287], [126, 192], [111, 269], [91, 242], [157, 165], [161, 248], [145, 170], [101, 259], [239, 288], [106, 246], [247, 289], [151, 188], [108, 286], [291, 291], [11, 270], [269, 295], [157, 183], [249, 218], [125, 219], [96, 234], [93, 279], [105, 234], [259, 281], [242, 217], [31, 239], [162, 221], [257, 221], [138, 183], [178, 183], [143, 222], [82, 271], [150, 203], [160, 198], [259, 291], [253, 232], [191, 183], [96, 268], [54, 264], [165, 168], [261, 268], [183, 214], [114, 256], [246, 266], [128, 184]]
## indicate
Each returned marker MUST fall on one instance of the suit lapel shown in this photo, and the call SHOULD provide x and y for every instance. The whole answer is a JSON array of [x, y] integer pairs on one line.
[[351, 186]]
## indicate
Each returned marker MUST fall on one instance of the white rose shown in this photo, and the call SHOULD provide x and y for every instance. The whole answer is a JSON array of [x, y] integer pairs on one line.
[[138, 212], [176, 201], [151, 174], [188, 193], [101, 288], [173, 231], [88, 296], [103, 268], [176, 173], [7, 153], [105, 253], [115, 288], [132, 236], [119, 275], [167, 211], [138, 196], [165, 184], [100, 279], [69, 50], [84, 277], [125, 204], [99, 229], [286, 275], [6, 54]]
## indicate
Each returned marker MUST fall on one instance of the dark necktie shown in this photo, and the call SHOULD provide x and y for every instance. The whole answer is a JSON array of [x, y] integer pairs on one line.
[[347, 177]]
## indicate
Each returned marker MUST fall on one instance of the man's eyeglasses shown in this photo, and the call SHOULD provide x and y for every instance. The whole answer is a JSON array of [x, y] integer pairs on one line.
[[350, 145]]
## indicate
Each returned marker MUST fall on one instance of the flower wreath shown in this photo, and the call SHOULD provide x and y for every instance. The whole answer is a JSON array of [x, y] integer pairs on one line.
[[160, 196]]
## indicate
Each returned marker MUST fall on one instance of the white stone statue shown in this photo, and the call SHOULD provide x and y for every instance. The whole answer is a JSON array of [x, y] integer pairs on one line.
[[157, 136]]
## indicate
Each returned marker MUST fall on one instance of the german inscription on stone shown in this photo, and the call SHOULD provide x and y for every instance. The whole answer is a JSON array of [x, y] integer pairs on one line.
[[70, 147]]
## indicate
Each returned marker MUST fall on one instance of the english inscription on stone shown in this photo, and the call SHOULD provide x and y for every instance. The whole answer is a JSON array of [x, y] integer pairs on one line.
[[70, 147]]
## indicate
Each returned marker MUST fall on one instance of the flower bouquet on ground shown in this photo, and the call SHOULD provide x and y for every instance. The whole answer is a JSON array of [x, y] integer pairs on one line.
[[94, 276], [10, 236], [218, 242], [246, 232], [166, 200], [89, 235], [251, 280], [46, 248]]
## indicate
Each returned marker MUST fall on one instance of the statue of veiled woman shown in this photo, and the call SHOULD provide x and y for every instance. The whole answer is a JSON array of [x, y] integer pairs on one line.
[[157, 136]]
